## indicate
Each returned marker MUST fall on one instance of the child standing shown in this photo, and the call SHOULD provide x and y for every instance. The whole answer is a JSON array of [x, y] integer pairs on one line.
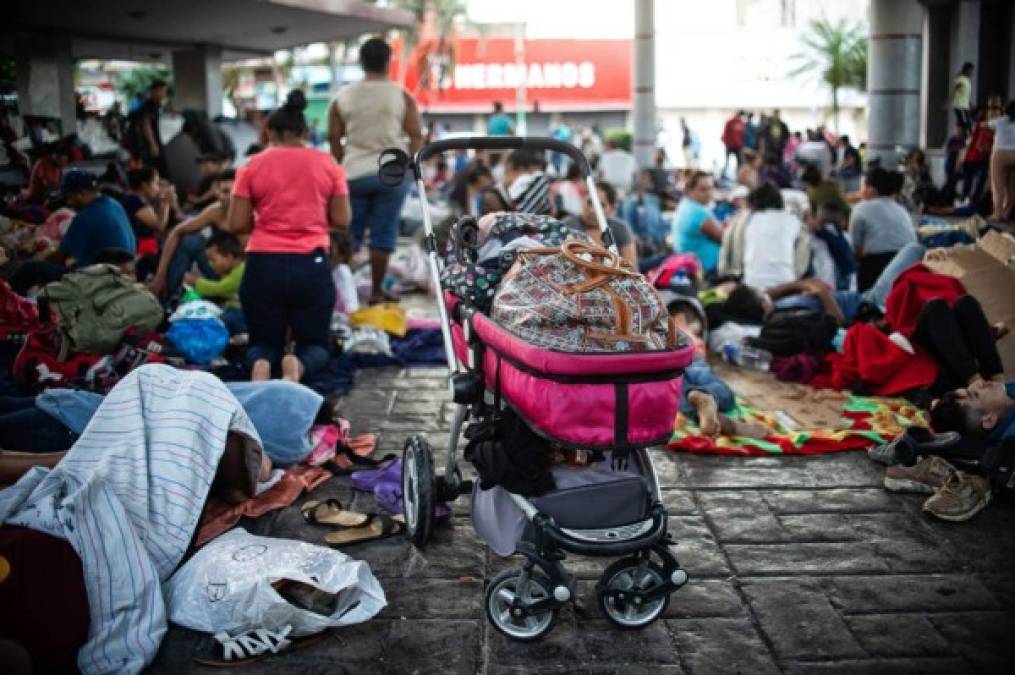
[[225, 254], [346, 299]]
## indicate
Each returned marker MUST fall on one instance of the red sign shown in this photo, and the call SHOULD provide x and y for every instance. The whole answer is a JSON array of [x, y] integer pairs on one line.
[[468, 74]]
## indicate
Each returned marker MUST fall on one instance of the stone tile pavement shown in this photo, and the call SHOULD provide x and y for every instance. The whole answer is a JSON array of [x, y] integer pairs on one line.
[[798, 565]]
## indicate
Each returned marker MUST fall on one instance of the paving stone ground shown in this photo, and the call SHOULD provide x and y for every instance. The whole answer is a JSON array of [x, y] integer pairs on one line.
[[797, 565]]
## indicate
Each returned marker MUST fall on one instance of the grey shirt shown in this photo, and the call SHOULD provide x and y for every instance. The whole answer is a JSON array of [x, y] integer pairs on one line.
[[622, 234], [880, 225]]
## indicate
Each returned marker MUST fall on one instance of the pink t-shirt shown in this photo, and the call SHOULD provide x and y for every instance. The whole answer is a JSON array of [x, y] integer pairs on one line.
[[290, 189]]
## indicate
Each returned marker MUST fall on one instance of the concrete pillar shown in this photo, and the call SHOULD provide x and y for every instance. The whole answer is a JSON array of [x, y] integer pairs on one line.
[[644, 82], [938, 82], [1010, 92], [894, 78], [965, 42], [45, 77], [197, 79]]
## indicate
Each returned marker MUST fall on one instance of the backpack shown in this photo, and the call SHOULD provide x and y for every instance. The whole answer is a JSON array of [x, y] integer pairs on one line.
[[96, 305], [790, 331]]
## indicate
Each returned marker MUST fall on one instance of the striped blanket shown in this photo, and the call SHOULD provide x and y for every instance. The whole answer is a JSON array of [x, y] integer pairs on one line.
[[865, 422], [128, 497]]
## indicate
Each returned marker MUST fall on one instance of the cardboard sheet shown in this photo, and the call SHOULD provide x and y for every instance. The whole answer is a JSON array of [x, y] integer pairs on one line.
[[987, 270]]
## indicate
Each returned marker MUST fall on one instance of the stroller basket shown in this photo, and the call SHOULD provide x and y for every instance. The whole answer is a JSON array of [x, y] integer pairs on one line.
[[606, 401]]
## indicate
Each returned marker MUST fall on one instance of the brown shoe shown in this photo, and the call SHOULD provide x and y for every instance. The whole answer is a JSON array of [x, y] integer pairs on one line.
[[960, 498], [926, 476]]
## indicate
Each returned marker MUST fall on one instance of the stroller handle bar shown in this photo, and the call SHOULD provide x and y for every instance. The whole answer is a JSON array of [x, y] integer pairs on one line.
[[504, 143]]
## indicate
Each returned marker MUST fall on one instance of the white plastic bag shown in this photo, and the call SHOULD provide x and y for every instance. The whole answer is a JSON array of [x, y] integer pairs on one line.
[[227, 587]]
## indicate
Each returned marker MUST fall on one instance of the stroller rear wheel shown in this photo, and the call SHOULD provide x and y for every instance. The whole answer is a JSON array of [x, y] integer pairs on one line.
[[508, 599], [418, 489], [621, 588]]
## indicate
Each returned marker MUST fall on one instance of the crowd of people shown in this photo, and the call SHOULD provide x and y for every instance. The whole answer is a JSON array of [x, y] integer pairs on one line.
[[798, 229]]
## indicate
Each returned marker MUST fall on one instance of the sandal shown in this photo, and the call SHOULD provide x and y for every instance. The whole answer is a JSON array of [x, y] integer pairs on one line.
[[330, 512], [378, 526], [253, 645], [385, 296]]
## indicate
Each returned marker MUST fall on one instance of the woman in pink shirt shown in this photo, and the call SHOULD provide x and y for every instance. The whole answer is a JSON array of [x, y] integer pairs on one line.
[[289, 198]]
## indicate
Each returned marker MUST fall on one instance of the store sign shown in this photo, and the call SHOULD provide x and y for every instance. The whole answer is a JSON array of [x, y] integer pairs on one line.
[[467, 75]]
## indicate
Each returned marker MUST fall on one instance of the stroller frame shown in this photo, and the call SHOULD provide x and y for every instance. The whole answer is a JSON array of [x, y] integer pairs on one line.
[[523, 603]]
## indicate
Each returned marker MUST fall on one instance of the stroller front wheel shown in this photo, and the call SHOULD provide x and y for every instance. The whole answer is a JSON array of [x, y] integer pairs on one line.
[[508, 602], [620, 593], [418, 489]]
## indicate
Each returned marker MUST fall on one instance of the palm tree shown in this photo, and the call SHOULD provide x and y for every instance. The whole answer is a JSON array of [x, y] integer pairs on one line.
[[838, 52]]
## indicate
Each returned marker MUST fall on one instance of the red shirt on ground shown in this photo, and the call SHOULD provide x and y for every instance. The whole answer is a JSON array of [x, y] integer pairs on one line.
[[289, 188]]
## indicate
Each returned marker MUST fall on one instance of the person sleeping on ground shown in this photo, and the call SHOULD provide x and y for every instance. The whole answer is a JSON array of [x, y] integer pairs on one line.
[[128, 501]]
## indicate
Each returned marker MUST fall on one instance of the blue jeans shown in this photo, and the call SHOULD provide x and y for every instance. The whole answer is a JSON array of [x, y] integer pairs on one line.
[[189, 252], [288, 291], [234, 320], [376, 207], [699, 376], [24, 427], [850, 301], [645, 217]]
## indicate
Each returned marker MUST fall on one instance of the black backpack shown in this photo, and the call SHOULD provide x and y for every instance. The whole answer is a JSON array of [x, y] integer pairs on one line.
[[790, 331]]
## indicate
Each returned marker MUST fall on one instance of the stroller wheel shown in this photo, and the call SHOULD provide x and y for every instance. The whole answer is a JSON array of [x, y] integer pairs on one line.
[[620, 581], [418, 489], [505, 601]]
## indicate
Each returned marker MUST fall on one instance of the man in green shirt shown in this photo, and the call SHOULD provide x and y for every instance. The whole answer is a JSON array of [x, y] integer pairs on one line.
[[226, 256]]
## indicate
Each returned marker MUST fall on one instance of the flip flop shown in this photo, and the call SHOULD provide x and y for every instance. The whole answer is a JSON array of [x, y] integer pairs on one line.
[[330, 512], [378, 526]]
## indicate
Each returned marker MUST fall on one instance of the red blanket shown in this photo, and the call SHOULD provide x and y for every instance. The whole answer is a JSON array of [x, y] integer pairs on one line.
[[885, 368], [910, 293]]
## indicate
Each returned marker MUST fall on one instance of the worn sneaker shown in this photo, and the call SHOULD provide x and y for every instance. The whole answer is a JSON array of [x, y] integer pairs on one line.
[[912, 443], [926, 476], [960, 498]]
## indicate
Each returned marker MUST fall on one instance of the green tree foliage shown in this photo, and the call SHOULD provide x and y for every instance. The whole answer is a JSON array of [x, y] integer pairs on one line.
[[134, 83], [837, 53]]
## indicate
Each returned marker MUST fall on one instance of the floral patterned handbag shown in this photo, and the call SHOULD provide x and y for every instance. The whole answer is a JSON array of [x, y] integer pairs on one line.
[[580, 297]]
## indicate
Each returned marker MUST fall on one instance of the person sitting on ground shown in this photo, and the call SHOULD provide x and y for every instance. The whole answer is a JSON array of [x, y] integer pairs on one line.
[[879, 226], [695, 229], [815, 152], [212, 164], [527, 187], [288, 198], [642, 210], [226, 257], [745, 304], [346, 296], [831, 252], [749, 173], [617, 167], [148, 205], [587, 223], [776, 246], [822, 191], [468, 188], [47, 172], [184, 247]]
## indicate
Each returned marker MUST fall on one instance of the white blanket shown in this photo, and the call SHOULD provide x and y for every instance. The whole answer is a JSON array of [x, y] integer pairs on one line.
[[128, 497]]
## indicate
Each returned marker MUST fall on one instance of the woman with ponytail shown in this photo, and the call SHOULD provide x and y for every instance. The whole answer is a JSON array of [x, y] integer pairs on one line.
[[289, 198]]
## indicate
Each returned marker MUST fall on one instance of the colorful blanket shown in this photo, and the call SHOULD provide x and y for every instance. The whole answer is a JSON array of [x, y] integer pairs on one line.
[[865, 422]]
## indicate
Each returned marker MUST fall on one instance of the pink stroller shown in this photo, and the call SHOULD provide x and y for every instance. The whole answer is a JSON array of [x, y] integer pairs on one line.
[[614, 404]]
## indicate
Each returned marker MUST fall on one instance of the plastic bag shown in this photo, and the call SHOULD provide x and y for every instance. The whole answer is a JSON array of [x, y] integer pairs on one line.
[[227, 586], [200, 340], [196, 309]]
